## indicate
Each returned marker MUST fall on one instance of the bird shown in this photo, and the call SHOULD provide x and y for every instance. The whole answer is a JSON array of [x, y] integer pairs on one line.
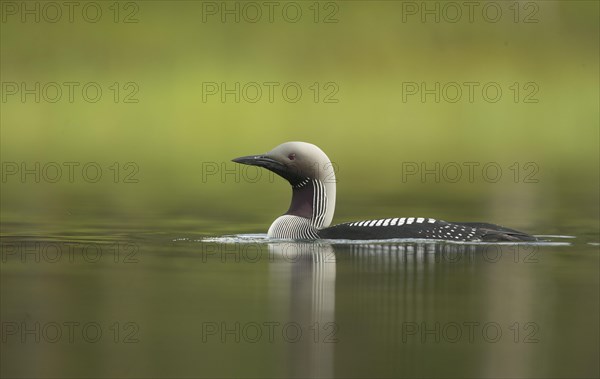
[[312, 177]]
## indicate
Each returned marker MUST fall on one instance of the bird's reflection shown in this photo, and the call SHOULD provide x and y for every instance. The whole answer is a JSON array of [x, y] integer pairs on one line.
[[311, 271], [380, 287]]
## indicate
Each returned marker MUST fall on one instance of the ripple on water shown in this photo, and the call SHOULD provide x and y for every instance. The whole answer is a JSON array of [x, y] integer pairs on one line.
[[263, 238]]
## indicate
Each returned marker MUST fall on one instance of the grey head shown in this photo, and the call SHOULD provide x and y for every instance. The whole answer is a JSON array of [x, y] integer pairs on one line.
[[310, 173]]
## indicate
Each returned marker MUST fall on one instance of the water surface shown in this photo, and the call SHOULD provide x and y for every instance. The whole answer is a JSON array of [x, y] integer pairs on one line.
[[176, 303]]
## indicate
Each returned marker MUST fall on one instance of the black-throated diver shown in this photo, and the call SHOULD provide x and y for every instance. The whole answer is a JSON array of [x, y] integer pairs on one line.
[[311, 174]]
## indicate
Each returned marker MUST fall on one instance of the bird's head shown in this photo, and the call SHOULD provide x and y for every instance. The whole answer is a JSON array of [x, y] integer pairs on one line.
[[295, 162]]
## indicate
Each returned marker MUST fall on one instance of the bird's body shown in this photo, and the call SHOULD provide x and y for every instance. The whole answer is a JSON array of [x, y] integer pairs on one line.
[[312, 178], [423, 228]]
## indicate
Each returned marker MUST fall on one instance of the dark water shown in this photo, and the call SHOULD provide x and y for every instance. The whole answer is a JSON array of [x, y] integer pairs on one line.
[[133, 302]]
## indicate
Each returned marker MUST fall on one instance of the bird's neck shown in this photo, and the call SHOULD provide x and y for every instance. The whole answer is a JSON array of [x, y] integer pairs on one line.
[[315, 200]]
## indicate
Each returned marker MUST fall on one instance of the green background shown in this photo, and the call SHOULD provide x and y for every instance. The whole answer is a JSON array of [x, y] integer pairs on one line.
[[172, 136]]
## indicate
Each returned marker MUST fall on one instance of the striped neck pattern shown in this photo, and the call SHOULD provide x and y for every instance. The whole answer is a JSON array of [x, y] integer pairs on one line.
[[319, 203], [306, 214]]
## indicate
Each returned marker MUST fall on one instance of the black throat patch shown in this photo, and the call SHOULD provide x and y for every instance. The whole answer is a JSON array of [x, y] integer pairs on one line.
[[302, 199]]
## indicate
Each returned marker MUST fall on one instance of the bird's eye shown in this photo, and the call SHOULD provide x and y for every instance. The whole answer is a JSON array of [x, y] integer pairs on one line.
[[292, 156]]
